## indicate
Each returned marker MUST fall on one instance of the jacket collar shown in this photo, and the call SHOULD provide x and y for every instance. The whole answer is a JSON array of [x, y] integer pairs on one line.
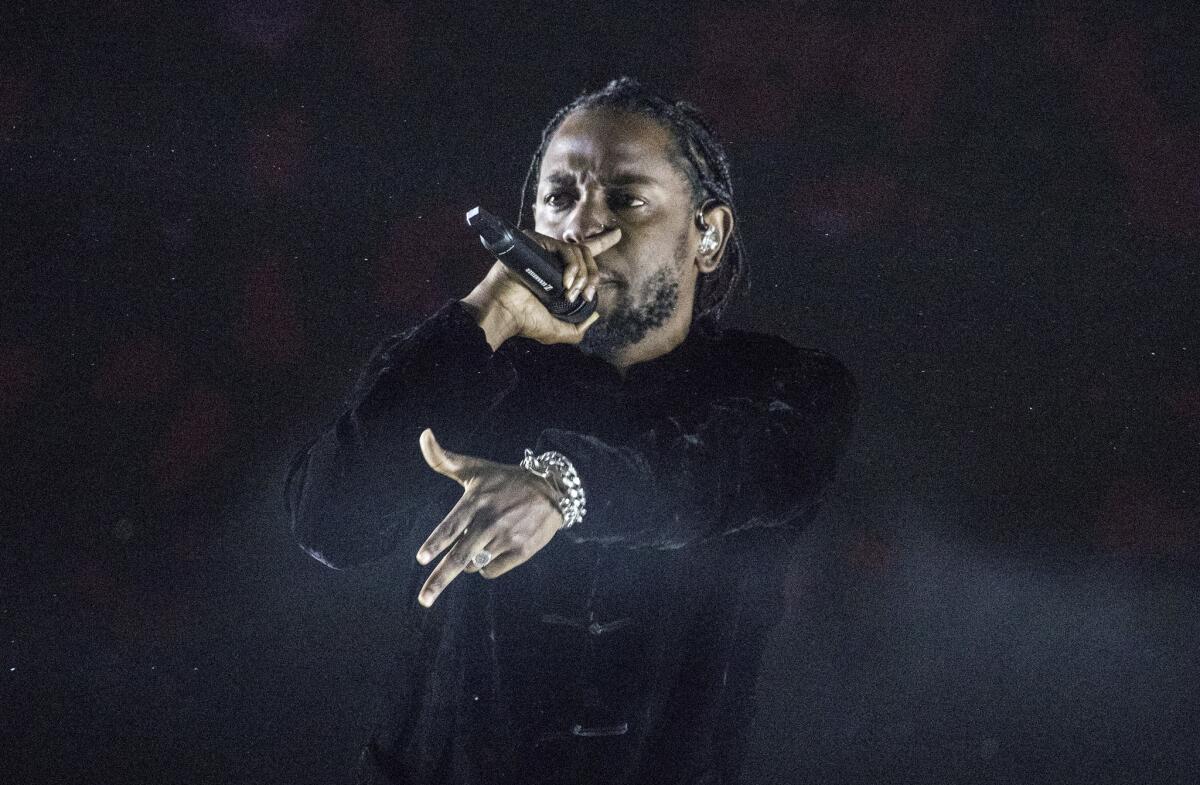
[[573, 366]]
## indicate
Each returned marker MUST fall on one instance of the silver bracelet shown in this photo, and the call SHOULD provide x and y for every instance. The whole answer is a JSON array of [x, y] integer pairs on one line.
[[555, 467]]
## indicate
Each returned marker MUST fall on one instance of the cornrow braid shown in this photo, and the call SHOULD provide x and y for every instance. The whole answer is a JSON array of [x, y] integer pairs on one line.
[[702, 159]]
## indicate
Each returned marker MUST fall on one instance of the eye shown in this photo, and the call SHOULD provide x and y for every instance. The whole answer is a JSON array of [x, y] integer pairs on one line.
[[557, 199], [621, 199]]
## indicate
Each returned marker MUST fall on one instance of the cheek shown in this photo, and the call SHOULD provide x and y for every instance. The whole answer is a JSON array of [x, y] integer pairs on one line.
[[684, 245], [544, 219], [670, 250]]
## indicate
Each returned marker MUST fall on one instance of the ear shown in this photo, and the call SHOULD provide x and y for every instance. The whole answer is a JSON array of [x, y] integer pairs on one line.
[[719, 218]]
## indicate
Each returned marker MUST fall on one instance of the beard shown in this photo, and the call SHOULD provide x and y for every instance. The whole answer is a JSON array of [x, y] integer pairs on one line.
[[629, 322], [634, 314], [632, 318]]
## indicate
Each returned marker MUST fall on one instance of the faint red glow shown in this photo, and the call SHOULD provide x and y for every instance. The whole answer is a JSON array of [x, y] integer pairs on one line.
[[903, 64], [194, 436], [773, 67], [768, 66], [868, 552], [1186, 404], [20, 373], [1136, 516], [1159, 159], [13, 93], [383, 31], [857, 202], [135, 371], [276, 153], [266, 25], [419, 265], [272, 334], [152, 619], [93, 580], [1096, 394]]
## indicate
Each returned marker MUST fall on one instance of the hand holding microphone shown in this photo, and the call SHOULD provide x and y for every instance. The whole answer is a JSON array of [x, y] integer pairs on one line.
[[540, 287]]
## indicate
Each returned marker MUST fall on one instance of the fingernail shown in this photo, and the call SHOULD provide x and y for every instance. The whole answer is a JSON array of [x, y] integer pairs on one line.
[[422, 557], [425, 599], [591, 295]]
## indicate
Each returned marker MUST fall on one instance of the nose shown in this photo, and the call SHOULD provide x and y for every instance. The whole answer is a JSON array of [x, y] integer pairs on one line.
[[590, 217]]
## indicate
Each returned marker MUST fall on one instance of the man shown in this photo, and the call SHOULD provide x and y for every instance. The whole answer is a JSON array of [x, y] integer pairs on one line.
[[598, 613]]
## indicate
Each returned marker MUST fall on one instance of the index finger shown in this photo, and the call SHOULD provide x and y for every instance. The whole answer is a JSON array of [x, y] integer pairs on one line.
[[452, 564], [602, 242]]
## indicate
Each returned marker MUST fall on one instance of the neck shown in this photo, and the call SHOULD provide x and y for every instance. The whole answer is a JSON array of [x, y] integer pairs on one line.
[[656, 343]]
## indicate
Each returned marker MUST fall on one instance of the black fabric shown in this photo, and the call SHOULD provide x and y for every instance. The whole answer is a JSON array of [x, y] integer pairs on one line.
[[626, 650]]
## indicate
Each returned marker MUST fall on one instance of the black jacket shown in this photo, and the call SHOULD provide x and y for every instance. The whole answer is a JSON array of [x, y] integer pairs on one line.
[[626, 650]]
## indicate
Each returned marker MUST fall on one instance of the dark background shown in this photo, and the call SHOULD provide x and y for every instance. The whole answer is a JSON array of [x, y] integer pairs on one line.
[[989, 212]]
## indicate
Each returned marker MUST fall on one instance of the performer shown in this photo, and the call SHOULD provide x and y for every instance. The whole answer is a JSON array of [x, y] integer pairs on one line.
[[593, 520]]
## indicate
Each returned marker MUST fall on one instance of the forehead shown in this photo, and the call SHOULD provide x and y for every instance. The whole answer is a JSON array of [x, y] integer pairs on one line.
[[607, 142]]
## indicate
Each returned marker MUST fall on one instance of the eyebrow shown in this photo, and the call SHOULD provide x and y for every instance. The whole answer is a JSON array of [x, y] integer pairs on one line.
[[565, 179]]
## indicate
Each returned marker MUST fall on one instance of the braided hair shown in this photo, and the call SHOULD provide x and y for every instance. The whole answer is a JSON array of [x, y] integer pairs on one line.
[[698, 154]]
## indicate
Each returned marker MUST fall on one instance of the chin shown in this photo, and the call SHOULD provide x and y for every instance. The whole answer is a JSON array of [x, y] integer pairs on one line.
[[605, 298]]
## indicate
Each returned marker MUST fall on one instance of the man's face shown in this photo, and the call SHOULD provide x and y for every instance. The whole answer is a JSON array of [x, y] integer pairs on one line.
[[607, 168]]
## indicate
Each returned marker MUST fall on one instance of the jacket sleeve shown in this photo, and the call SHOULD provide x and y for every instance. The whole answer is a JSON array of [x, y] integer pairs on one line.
[[758, 460], [358, 488]]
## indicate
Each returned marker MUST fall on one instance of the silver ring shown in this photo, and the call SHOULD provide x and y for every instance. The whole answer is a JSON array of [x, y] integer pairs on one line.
[[481, 559]]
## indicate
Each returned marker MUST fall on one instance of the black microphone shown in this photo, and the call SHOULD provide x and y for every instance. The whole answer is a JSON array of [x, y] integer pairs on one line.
[[540, 270]]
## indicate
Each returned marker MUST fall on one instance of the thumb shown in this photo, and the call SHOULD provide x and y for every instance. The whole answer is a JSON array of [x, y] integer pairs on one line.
[[442, 461], [582, 327]]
